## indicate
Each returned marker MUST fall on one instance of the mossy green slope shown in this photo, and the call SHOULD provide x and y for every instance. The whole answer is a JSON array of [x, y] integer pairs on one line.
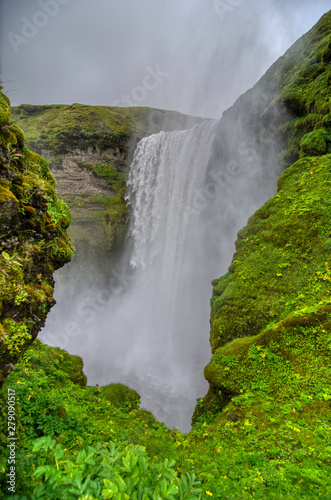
[[282, 260], [33, 241], [280, 278], [266, 420], [61, 128], [305, 93]]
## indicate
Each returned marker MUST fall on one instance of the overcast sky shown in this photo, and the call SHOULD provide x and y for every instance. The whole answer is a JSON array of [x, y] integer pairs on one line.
[[194, 56]]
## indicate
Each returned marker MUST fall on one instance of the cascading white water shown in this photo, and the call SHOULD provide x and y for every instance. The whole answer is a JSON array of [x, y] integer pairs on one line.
[[162, 320], [166, 170]]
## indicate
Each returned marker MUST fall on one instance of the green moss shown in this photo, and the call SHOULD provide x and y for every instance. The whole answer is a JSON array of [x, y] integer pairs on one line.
[[281, 263], [327, 121], [4, 117], [74, 369], [54, 128], [16, 336], [41, 355], [94, 200], [60, 251], [6, 195], [121, 395], [9, 136], [272, 360], [4, 101], [315, 143], [39, 166], [308, 98], [116, 179], [18, 191], [31, 252], [18, 132], [30, 210]]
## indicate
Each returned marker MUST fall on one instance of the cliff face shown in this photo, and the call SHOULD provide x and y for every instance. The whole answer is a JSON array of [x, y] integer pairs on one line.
[[33, 241], [270, 314], [275, 117], [89, 149]]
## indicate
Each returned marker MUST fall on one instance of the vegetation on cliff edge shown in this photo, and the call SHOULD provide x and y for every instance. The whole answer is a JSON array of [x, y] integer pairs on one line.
[[60, 129], [33, 241]]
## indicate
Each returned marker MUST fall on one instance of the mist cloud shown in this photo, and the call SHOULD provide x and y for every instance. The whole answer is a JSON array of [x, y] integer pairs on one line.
[[95, 52]]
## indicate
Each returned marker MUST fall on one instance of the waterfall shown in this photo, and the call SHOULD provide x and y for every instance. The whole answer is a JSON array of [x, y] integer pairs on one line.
[[167, 169], [149, 328], [159, 329]]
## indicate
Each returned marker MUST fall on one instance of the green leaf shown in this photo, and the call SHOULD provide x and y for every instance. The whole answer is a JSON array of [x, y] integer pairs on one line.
[[107, 494], [131, 483], [164, 487], [196, 491], [155, 495], [120, 483], [110, 486], [173, 489], [39, 443], [81, 457], [169, 475], [5, 255], [58, 452], [184, 481], [45, 442], [143, 465], [42, 469], [130, 460], [112, 447]]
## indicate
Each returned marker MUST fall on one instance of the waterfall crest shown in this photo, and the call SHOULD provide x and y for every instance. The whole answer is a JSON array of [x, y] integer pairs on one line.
[[167, 169]]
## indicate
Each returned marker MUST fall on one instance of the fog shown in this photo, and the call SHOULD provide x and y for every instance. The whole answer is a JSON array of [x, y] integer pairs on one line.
[[98, 52]]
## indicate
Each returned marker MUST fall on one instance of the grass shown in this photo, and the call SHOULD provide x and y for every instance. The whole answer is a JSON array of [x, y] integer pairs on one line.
[[61, 128]]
